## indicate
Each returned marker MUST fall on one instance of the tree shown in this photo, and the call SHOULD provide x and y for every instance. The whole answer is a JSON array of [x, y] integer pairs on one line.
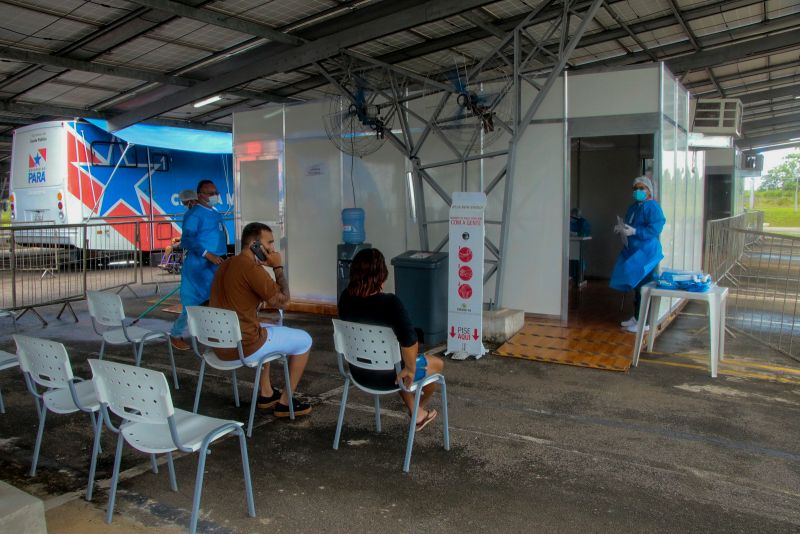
[[783, 176]]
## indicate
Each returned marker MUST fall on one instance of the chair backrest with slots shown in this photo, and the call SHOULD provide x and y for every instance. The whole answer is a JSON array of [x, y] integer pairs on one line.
[[45, 361], [105, 308], [366, 346], [133, 393], [214, 327]]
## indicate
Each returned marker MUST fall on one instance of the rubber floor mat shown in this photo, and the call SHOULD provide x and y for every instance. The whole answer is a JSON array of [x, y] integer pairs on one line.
[[597, 348]]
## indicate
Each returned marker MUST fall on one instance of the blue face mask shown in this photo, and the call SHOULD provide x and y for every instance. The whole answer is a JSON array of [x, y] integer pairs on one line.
[[640, 195]]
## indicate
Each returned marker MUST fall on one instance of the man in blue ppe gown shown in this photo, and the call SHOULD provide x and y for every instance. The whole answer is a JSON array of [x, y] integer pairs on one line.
[[638, 260], [204, 239]]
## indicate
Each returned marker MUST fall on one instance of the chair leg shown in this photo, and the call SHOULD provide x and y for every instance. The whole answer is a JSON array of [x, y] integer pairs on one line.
[[445, 419], [236, 389], [173, 483], [377, 413], [172, 362], [199, 386], [288, 385], [253, 401], [40, 407], [248, 483], [342, 408], [97, 425], [112, 495], [102, 350], [198, 488], [412, 430], [154, 464], [2, 406], [137, 354]]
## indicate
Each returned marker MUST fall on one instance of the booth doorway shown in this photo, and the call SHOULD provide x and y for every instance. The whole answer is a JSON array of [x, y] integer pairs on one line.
[[602, 170]]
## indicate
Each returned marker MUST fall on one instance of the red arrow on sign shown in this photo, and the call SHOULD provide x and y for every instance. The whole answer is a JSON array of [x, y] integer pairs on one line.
[[475, 334], [452, 331]]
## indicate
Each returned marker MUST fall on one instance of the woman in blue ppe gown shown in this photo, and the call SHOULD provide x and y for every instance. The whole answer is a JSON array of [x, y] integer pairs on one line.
[[203, 237], [638, 260]]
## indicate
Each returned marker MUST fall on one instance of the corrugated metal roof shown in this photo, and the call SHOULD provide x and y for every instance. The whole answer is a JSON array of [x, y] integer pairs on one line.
[[120, 33]]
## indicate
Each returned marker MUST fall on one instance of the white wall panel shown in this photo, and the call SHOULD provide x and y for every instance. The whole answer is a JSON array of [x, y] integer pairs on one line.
[[553, 105], [317, 185], [313, 204], [258, 158], [534, 269], [614, 93], [698, 173]]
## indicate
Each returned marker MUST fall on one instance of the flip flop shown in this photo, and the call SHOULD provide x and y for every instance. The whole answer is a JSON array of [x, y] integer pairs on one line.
[[428, 418]]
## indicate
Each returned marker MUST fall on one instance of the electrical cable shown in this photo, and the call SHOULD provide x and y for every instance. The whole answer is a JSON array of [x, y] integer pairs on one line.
[[352, 162]]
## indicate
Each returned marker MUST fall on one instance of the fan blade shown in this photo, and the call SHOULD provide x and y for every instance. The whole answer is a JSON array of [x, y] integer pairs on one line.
[[458, 83]]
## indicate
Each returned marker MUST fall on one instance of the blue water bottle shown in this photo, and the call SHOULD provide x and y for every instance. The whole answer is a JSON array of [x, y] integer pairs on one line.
[[353, 226]]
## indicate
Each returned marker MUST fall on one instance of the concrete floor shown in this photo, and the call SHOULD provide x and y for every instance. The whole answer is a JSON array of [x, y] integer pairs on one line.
[[535, 447]]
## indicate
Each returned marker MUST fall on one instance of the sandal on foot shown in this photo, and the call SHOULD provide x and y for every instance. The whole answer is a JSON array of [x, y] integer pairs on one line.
[[430, 416]]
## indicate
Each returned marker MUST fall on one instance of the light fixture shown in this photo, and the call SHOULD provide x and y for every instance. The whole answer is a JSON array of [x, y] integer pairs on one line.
[[207, 101]]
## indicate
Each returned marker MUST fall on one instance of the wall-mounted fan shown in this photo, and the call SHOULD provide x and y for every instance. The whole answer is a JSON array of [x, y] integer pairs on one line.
[[358, 121], [473, 115]]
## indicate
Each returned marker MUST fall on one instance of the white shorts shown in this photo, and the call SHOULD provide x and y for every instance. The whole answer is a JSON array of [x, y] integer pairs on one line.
[[291, 341]]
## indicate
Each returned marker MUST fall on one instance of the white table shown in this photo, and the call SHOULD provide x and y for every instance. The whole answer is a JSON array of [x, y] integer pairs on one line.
[[716, 298]]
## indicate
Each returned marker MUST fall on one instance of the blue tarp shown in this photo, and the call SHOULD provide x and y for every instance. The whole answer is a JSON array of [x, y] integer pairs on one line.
[[173, 137]]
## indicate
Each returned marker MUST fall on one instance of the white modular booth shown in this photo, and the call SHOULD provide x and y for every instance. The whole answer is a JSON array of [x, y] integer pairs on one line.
[[644, 100], [290, 175], [724, 183]]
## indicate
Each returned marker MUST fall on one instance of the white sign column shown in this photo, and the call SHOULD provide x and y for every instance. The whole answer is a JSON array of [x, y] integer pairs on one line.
[[465, 280]]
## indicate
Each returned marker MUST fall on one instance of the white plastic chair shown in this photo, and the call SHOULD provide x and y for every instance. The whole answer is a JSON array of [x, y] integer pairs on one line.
[[106, 309], [375, 348], [218, 328], [46, 363], [7, 361], [10, 314], [152, 425]]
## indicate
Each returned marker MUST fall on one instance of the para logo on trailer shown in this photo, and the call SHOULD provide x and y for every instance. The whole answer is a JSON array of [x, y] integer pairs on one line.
[[36, 166]]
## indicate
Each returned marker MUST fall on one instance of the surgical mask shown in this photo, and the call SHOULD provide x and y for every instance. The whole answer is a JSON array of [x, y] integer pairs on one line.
[[214, 200], [640, 195]]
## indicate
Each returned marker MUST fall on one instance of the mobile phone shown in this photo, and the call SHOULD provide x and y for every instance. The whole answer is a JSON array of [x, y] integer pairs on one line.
[[255, 247]]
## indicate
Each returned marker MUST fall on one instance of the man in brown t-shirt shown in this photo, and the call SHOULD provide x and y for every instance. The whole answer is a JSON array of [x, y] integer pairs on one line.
[[242, 284]]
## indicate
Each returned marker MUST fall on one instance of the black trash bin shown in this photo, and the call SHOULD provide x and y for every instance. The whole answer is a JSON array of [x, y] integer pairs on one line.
[[420, 280]]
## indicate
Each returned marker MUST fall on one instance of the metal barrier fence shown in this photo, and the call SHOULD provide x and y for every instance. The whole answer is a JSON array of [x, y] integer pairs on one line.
[[45, 266], [723, 247], [162, 266], [762, 272], [43, 263]]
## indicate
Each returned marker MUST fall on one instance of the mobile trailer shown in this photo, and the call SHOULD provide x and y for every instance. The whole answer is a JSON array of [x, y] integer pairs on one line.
[[74, 172]]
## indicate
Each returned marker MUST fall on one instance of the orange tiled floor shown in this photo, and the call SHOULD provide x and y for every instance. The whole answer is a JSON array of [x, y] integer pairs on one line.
[[591, 338]]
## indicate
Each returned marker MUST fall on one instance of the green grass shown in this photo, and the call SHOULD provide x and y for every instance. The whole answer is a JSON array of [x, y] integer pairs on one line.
[[780, 216], [778, 208]]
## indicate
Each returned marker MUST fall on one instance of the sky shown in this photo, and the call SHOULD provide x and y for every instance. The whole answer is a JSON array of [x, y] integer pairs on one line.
[[773, 158]]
